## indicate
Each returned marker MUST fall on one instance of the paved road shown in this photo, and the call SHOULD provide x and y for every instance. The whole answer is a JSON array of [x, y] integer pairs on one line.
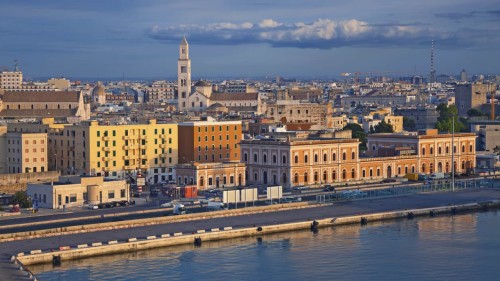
[[427, 200]]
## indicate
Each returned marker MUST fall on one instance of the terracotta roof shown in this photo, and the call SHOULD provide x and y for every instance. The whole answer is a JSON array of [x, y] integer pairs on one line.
[[234, 96], [37, 112], [42, 96]]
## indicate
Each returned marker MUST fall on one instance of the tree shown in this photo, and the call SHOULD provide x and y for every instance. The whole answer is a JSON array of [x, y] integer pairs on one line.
[[474, 112], [357, 132], [446, 116], [409, 124], [21, 198], [496, 149], [383, 127]]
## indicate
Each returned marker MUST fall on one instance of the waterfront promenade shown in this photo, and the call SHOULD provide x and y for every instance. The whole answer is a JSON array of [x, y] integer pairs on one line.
[[338, 209]]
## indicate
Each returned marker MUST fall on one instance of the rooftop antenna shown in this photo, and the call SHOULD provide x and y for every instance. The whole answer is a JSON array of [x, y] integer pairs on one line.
[[16, 65]]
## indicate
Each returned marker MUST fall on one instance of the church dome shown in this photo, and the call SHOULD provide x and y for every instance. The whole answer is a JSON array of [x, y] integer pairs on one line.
[[99, 90], [202, 83]]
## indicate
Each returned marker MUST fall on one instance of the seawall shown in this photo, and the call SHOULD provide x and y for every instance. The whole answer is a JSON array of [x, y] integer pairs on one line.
[[37, 256]]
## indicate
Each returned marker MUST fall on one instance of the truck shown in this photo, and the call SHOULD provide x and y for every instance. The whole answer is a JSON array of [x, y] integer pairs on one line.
[[215, 205], [179, 209], [437, 176], [412, 177]]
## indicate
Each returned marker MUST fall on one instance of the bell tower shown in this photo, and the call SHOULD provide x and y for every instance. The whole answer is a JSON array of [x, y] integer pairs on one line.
[[183, 75]]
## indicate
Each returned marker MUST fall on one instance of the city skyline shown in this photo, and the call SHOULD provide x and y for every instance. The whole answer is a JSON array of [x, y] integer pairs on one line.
[[104, 39]]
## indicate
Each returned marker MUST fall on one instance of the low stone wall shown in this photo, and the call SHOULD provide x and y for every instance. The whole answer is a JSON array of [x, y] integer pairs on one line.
[[11, 183], [170, 239]]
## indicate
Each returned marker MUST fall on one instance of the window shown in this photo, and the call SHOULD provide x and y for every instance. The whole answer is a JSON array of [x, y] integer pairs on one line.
[[111, 194], [334, 175], [296, 178], [353, 173], [245, 157], [305, 177], [470, 148], [432, 150], [274, 159], [353, 155], [72, 198], [334, 157], [324, 157], [344, 156], [284, 159], [296, 159], [122, 193], [344, 174], [305, 159], [423, 150], [315, 158], [255, 157]]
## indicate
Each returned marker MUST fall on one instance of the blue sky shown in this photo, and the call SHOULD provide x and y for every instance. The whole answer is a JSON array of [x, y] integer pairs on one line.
[[307, 38]]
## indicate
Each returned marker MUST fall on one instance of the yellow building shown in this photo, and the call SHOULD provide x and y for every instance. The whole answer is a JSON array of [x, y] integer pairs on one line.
[[116, 150], [26, 152], [395, 121]]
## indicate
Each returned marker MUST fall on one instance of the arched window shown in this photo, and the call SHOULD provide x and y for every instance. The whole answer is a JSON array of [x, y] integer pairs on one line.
[[463, 148], [353, 155], [334, 175], [316, 177], [245, 157], [325, 157], [344, 156], [363, 173], [344, 174], [399, 170], [353, 173], [264, 158], [32, 106], [58, 106], [406, 170], [325, 176], [202, 182], [431, 167], [305, 159], [371, 173], [423, 150], [283, 178], [296, 159], [315, 158], [275, 159], [432, 150], [334, 157], [470, 148], [255, 158], [423, 168], [255, 176], [463, 165], [296, 178], [447, 149], [413, 169], [378, 172], [439, 150], [284, 159], [305, 178]]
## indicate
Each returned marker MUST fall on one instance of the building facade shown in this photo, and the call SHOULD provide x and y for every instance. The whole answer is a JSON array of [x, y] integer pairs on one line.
[[116, 150], [211, 175], [10, 80], [209, 141], [27, 152], [77, 191], [471, 96]]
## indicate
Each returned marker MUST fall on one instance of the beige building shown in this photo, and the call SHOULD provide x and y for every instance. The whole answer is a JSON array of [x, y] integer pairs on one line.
[[64, 105], [61, 84], [116, 150], [76, 191], [26, 152], [159, 91], [10, 80], [291, 111], [3, 150], [211, 175], [395, 121]]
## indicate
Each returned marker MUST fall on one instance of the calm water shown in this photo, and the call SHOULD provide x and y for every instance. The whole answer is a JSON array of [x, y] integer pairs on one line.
[[462, 247]]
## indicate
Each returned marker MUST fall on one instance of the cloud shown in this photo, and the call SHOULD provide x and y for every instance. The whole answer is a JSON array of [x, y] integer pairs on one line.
[[319, 34], [485, 15]]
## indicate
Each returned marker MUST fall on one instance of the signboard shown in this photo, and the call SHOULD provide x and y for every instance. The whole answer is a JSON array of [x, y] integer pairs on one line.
[[249, 195], [274, 192], [231, 196], [141, 181]]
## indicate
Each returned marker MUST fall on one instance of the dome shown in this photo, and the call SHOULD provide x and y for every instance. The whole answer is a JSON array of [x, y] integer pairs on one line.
[[202, 83], [99, 90]]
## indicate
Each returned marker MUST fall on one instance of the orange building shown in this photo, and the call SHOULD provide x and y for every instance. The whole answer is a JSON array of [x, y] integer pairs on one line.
[[314, 161], [209, 141]]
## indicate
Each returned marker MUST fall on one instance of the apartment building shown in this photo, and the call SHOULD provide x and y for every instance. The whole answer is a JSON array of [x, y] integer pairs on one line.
[[91, 148], [26, 152], [209, 141], [10, 80]]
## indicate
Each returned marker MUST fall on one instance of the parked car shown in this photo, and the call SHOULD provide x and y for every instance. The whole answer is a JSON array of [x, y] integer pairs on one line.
[[92, 207]]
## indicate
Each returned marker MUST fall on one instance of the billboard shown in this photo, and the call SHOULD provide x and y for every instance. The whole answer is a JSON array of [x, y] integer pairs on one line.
[[274, 192], [249, 195], [231, 196]]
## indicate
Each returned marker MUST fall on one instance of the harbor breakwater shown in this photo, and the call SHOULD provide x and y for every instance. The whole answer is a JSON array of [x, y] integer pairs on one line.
[[55, 256]]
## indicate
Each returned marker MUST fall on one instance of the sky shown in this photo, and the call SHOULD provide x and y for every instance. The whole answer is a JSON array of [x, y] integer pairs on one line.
[[244, 38]]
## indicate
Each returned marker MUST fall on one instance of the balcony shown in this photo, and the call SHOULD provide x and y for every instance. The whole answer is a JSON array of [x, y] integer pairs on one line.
[[105, 138], [163, 136], [128, 157], [106, 169], [106, 149], [143, 146], [129, 147], [127, 138], [106, 159], [129, 167]]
